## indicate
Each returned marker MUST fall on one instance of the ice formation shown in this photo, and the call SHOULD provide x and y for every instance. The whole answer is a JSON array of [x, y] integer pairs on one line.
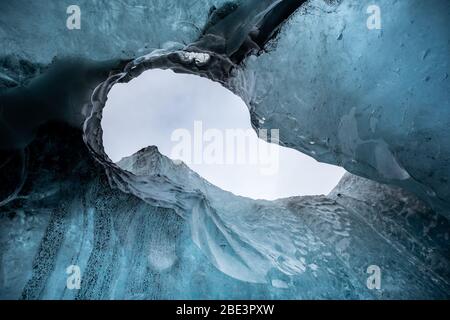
[[373, 101]]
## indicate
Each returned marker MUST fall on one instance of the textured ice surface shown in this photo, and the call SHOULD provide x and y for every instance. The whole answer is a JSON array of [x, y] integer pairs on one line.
[[373, 101], [304, 247], [386, 93], [109, 29]]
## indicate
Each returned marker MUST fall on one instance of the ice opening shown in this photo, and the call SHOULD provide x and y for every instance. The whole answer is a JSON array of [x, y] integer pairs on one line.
[[203, 124]]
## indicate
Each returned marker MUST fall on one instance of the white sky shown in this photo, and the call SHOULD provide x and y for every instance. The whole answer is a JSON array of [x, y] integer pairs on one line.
[[149, 108]]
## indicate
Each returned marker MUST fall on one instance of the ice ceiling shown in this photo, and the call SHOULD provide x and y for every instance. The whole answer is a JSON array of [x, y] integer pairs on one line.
[[375, 102]]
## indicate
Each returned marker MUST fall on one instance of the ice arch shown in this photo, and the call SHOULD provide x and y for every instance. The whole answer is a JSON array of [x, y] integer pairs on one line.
[[152, 108]]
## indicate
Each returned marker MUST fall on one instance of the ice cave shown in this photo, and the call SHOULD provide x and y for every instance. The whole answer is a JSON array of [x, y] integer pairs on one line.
[[371, 97]]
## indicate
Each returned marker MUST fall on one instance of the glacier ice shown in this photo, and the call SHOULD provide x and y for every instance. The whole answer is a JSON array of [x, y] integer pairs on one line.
[[301, 247], [373, 101], [386, 92]]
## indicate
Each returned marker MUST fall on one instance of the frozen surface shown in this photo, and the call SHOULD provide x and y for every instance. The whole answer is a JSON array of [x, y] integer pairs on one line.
[[223, 246], [109, 29], [385, 93]]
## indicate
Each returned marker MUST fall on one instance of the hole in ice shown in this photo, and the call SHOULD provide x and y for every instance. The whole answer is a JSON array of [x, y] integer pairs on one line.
[[205, 125]]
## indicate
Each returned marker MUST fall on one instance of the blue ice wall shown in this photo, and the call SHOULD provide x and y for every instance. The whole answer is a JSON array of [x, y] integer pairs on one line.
[[375, 101]]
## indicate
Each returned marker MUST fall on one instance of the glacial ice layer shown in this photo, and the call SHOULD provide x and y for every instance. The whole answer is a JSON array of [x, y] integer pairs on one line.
[[373, 101]]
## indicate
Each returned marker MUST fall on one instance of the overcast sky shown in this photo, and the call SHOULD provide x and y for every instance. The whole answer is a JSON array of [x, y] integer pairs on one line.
[[147, 110]]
